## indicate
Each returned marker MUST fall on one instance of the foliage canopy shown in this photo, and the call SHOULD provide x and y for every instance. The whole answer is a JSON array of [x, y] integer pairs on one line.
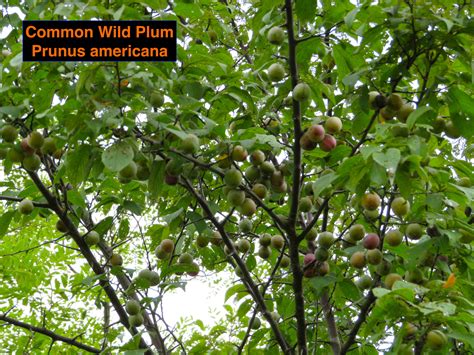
[[335, 188]]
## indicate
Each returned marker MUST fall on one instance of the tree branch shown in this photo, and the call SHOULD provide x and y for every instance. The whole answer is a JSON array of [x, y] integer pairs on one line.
[[252, 288], [86, 252], [17, 199], [49, 333], [331, 322], [295, 193]]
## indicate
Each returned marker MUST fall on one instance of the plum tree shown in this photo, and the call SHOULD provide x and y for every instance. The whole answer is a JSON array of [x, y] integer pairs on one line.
[[202, 240], [404, 112], [243, 245], [129, 171], [307, 143], [92, 238], [116, 260], [358, 260], [321, 254], [414, 231], [264, 252], [265, 239], [257, 157], [239, 153], [49, 146], [328, 143], [248, 207], [32, 162], [395, 102], [390, 279], [305, 204], [436, 339], [276, 72], [9, 133], [149, 276], [157, 99], [190, 144], [400, 206], [311, 235], [233, 178], [252, 173], [260, 190], [316, 133], [376, 100], [371, 201], [277, 242], [393, 237], [276, 35], [333, 125], [267, 168], [301, 92], [61, 226], [136, 320], [364, 282], [185, 258], [35, 140], [27, 150], [298, 158], [374, 256], [132, 307], [371, 241], [245, 225], [15, 154], [285, 261], [357, 232], [26, 206], [325, 239], [236, 197]]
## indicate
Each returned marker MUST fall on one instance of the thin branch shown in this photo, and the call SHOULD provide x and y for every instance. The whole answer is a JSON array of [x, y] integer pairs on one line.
[[331, 322], [17, 199], [49, 333], [246, 278], [86, 252], [33, 248], [295, 193]]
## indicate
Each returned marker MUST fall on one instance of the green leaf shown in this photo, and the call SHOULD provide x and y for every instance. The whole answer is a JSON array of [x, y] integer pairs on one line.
[[156, 179], [445, 308], [389, 160], [117, 156], [350, 17], [5, 221], [322, 183], [133, 207], [103, 226], [76, 198], [78, 163], [318, 283], [236, 289], [242, 96], [349, 289], [380, 292], [422, 114], [172, 216], [306, 9], [461, 108]]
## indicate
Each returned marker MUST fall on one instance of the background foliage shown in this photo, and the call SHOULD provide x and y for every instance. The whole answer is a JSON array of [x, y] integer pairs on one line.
[[102, 118]]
